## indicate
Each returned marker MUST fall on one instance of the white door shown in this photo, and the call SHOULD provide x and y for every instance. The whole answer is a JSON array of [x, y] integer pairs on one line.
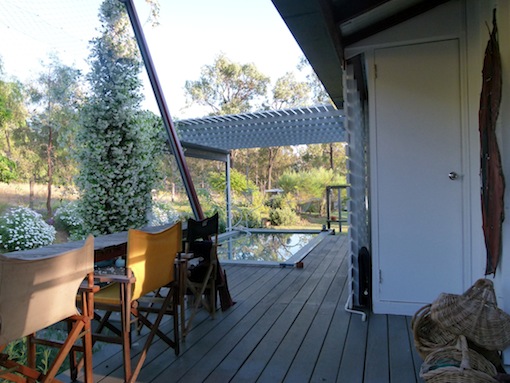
[[418, 219]]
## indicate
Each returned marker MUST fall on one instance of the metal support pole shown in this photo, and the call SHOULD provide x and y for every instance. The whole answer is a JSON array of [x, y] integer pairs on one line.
[[228, 193], [163, 108], [339, 202]]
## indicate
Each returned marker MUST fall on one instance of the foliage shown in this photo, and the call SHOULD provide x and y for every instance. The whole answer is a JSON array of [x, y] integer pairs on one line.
[[22, 228], [238, 182], [309, 184], [162, 214], [117, 143], [7, 169], [67, 217], [246, 216], [319, 94], [330, 155], [44, 355], [227, 87], [290, 93], [283, 216], [12, 111], [55, 97]]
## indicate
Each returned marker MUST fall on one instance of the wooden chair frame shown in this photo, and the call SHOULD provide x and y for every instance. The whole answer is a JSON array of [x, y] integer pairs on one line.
[[44, 291], [150, 262], [204, 292]]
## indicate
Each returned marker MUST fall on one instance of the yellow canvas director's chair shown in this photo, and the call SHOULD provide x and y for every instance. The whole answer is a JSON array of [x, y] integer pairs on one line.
[[36, 293], [202, 243], [149, 267]]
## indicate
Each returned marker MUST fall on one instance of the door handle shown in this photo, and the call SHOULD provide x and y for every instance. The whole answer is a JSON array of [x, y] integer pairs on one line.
[[453, 175]]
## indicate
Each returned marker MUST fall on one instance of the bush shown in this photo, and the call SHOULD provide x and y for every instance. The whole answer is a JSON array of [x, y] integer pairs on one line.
[[162, 214], [67, 217], [246, 216], [22, 228], [7, 169], [283, 216]]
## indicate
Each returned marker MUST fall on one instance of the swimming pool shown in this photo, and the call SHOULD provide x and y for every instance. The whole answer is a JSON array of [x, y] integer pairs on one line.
[[268, 247]]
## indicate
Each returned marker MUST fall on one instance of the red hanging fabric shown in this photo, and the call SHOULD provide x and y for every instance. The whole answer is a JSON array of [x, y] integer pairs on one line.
[[493, 182]]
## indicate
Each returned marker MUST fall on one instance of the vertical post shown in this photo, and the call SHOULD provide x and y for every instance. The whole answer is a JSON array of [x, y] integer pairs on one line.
[[328, 207], [339, 202], [163, 108], [228, 194]]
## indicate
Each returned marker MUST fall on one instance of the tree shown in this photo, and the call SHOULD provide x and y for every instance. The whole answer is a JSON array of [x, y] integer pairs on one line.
[[330, 155], [55, 98], [290, 93], [12, 111], [319, 94], [227, 87], [117, 141]]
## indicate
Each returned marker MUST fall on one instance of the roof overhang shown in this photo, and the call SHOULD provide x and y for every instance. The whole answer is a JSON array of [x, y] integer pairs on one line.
[[324, 28]]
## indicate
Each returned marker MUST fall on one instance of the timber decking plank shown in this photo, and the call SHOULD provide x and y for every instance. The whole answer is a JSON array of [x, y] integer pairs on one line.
[[308, 278], [377, 354], [330, 356], [306, 356], [222, 362], [352, 365], [112, 366], [401, 359], [207, 337], [416, 357], [283, 357], [242, 351]]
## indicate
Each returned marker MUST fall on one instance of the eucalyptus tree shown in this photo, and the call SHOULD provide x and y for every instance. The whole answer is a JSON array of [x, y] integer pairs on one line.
[[12, 114], [55, 98], [288, 92], [116, 143], [227, 87]]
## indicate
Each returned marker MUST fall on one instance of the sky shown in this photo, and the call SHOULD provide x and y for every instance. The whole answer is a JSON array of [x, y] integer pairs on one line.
[[190, 35]]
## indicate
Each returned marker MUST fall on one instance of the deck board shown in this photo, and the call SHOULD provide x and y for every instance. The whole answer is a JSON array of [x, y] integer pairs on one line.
[[288, 325]]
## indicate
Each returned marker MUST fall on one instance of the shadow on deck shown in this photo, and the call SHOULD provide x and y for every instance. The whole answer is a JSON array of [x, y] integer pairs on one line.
[[288, 325]]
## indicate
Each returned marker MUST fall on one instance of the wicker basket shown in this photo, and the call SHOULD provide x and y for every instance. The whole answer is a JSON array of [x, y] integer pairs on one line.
[[474, 314], [428, 335], [457, 364]]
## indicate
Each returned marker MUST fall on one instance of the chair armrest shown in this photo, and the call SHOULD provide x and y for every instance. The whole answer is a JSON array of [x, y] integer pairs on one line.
[[185, 255], [114, 278], [85, 288]]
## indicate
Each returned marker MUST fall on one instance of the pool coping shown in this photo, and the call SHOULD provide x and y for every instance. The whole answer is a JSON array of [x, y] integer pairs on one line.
[[293, 261]]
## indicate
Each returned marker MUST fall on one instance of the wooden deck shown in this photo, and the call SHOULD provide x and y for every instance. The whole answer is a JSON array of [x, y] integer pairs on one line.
[[288, 325]]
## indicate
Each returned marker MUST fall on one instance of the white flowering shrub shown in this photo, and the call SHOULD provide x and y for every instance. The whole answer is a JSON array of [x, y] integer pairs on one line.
[[22, 228], [117, 144], [68, 218], [162, 214]]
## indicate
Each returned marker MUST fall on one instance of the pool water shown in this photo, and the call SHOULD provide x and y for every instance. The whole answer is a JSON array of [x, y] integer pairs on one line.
[[262, 246]]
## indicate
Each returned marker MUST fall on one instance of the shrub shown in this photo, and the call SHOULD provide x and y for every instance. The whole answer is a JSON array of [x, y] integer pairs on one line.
[[67, 217], [7, 169], [162, 214], [22, 228], [246, 216], [282, 216]]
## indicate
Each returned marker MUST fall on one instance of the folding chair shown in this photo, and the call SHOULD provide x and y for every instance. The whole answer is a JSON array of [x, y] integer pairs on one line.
[[36, 293], [201, 242], [149, 267]]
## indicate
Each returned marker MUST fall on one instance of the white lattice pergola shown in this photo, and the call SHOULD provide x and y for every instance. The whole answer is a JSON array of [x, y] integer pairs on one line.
[[300, 126], [213, 137]]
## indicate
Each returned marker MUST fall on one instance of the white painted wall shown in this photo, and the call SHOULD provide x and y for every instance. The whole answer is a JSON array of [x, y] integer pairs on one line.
[[466, 21]]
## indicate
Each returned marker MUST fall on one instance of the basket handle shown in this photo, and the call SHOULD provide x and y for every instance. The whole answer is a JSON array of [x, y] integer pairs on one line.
[[419, 313], [462, 345]]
